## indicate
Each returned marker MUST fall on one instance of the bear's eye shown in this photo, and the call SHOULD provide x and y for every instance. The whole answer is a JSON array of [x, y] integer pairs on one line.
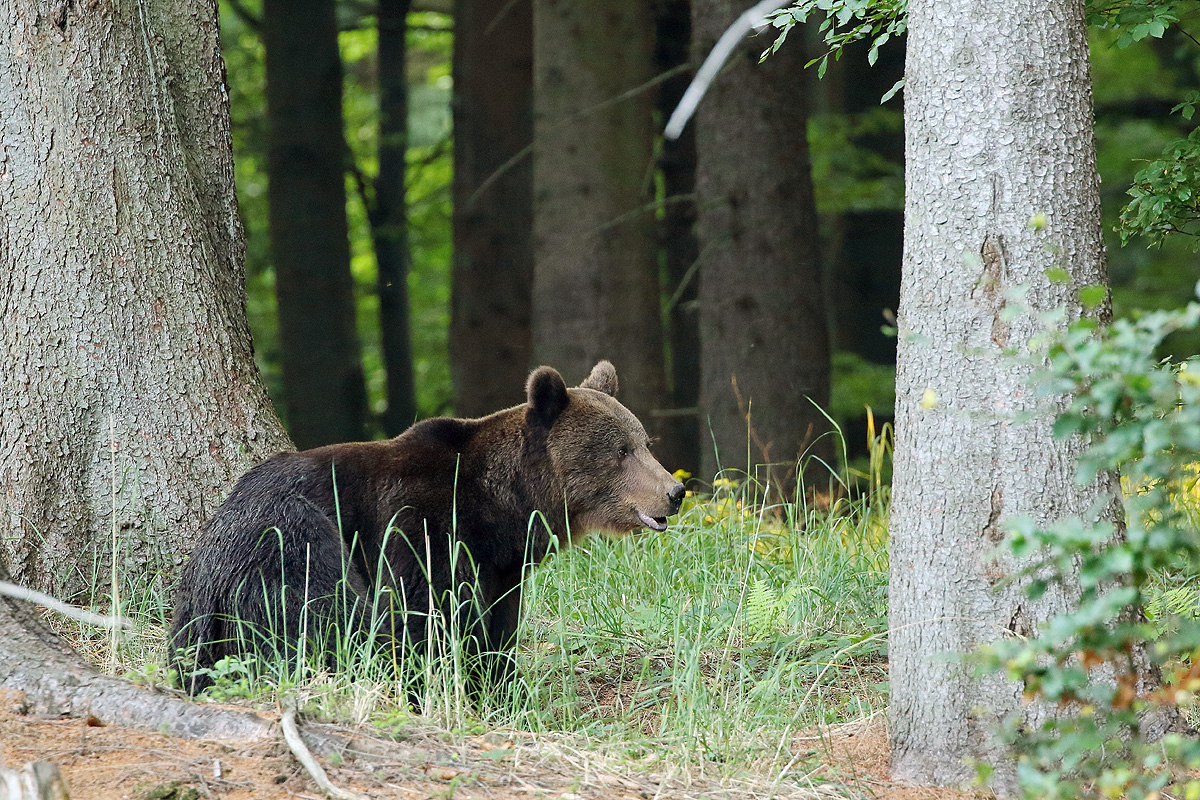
[[622, 452]]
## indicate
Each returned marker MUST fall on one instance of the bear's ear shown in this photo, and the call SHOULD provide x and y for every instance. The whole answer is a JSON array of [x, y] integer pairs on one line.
[[546, 393], [602, 379]]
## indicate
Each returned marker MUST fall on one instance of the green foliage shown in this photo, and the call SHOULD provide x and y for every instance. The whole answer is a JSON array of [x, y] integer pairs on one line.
[[234, 679], [858, 383], [1166, 193], [1142, 416], [843, 22], [429, 168], [879, 21], [1137, 19], [730, 632], [848, 173], [428, 183]]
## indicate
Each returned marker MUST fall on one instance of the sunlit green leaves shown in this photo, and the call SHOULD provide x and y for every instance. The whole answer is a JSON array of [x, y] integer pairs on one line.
[[1140, 415], [1166, 193], [1136, 19], [843, 22]]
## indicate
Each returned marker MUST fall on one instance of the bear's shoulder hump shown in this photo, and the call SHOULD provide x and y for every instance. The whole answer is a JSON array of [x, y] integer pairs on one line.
[[455, 434]]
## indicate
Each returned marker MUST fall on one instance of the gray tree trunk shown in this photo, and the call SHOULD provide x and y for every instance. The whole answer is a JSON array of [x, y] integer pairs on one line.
[[490, 350], [596, 290], [763, 326], [998, 123], [127, 363]]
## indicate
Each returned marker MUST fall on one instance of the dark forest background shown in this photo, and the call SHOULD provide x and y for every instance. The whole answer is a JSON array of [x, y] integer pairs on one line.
[[438, 196]]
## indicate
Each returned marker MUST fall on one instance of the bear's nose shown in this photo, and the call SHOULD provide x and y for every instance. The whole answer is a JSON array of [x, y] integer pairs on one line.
[[676, 498]]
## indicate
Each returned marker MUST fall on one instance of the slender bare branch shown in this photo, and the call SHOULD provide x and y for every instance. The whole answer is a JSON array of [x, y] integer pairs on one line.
[[74, 612]]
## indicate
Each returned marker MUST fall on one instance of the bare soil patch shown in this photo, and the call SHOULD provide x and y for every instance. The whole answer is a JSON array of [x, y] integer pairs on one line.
[[102, 762]]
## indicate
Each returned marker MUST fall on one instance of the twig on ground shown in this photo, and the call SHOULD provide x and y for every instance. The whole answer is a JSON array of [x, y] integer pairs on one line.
[[54, 604], [291, 735]]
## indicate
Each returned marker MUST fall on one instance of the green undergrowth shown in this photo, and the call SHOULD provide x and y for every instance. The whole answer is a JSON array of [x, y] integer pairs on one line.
[[711, 646]]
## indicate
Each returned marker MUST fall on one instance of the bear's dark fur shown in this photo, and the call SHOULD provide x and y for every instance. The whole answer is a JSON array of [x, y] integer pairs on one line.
[[335, 524]]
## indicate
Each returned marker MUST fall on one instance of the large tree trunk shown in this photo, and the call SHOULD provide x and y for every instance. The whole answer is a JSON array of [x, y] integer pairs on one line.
[[998, 125], [596, 290], [763, 326], [389, 217], [678, 245], [127, 363], [490, 350], [324, 392]]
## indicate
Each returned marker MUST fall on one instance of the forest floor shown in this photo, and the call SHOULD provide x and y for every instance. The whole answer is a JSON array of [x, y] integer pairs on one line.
[[102, 762], [740, 655]]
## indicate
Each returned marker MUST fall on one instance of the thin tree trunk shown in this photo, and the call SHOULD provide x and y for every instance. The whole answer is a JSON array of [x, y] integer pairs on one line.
[[596, 290], [763, 326], [129, 398], [389, 218], [325, 395], [998, 124], [678, 245], [490, 349]]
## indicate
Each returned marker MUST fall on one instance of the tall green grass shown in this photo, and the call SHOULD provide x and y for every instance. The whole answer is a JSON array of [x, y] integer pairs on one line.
[[711, 645], [718, 639]]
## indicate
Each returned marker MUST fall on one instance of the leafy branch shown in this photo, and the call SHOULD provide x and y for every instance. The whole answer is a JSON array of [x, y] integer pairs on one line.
[[844, 22], [1114, 679]]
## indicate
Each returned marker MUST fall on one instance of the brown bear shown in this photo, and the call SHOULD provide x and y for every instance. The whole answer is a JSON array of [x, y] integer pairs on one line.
[[445, 519]]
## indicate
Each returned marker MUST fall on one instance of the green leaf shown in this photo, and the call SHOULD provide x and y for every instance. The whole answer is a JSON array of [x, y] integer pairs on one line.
[[1092, 296], [1058, 276], [890, 93]]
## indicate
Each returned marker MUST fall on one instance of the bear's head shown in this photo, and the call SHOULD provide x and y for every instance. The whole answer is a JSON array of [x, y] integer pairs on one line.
[[600, 454]]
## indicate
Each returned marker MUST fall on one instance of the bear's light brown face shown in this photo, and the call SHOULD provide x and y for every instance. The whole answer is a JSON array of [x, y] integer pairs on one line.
[[601, 452]]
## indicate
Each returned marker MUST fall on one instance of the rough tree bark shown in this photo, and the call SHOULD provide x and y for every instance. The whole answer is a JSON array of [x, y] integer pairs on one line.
[[596, 289], [677, 241], [764, 344], [122, 329], [998, 124], [389, 217], [324, 391], [490, 349], [128, 367]]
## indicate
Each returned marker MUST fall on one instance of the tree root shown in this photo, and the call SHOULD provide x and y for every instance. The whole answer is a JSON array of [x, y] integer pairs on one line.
[[291, 734], [39, 780]]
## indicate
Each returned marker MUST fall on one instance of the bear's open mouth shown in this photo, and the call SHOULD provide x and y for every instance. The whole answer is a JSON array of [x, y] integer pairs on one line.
[[654, 523]]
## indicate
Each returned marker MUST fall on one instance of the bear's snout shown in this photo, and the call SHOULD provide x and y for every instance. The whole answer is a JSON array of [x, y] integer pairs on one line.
[[675, 498]]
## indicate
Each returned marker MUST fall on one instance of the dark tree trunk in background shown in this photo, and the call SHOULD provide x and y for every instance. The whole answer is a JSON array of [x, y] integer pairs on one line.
[[596, 290], [681, 430], [129, 398], [389, 218], [764, 341], [323, 383], [490, 351]]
